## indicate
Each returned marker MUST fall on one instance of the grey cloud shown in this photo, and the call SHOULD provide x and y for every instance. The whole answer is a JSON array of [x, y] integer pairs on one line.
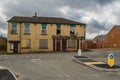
[[95, 26], [51, 8], [104, 2]]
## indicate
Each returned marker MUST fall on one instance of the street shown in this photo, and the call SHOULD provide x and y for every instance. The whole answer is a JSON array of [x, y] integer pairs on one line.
[[59, 66]]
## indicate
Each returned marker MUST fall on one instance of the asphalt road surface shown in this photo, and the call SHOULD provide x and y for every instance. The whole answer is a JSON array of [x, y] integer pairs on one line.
[[59, 66]]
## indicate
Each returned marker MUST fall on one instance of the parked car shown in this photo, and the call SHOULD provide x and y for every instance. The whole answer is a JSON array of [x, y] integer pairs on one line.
[[7, 74]]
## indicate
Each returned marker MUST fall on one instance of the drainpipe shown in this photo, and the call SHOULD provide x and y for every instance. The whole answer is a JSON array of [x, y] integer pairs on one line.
[[20, 37]]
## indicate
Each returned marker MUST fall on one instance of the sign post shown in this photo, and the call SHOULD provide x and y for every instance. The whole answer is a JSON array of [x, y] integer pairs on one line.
[[111, 60], [79, 52]]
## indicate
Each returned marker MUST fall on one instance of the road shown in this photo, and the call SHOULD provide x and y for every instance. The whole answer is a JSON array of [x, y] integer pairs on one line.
[[59, 66]]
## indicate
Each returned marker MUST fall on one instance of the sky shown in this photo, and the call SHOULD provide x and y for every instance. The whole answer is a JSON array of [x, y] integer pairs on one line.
[[99, 15]]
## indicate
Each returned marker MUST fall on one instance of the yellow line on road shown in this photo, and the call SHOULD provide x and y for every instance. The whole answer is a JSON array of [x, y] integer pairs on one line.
[[2, 67], [89, 63]]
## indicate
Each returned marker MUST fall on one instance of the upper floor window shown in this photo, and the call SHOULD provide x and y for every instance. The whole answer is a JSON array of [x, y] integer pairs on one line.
[[44, 31], [14, 28], [58, 28], [26, 28], [72, 29]]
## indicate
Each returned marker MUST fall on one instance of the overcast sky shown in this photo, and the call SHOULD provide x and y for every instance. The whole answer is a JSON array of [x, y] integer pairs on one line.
[[99, 15]]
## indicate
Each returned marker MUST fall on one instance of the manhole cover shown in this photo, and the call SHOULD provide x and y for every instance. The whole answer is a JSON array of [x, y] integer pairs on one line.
[[107, 66], [80, 57], [87, 60]]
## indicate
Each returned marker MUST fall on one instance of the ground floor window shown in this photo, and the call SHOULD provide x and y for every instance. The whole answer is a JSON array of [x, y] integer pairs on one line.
[[26, 43], [43, 43], [71, 43]]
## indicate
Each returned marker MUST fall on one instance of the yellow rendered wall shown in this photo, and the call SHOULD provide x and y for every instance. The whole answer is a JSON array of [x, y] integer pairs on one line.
[[35, 35]]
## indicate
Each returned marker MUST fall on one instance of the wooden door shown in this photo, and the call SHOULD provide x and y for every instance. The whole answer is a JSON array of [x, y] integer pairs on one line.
[[64, 44], [58, 45], [15, 48]]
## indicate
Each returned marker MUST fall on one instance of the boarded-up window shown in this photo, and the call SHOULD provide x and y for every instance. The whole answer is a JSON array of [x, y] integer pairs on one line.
[[11, 46], [26, 43], [43, 43], [71, 43]]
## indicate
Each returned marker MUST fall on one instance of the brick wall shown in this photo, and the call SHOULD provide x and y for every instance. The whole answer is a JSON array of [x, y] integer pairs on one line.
[[113, 38]]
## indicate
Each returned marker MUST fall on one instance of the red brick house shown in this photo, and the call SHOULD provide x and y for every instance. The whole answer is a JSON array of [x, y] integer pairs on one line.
[[100, 41], [113, 37]]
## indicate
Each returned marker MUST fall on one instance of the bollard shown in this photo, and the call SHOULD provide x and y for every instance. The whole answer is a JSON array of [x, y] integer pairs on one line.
[[79, 52], [111, 60]]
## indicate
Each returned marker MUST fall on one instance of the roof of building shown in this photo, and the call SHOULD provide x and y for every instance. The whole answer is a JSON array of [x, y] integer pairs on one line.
[[115, 26], [100, 37], [88, 40], [43, 20], [118, 26]]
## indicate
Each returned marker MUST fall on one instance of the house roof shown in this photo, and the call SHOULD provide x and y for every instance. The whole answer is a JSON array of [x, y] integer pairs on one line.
[[43, 20], [115, 26], [118, 26], [100, 37]]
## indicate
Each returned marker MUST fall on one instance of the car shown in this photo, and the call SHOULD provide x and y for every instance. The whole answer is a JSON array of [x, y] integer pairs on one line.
[[7, 74]]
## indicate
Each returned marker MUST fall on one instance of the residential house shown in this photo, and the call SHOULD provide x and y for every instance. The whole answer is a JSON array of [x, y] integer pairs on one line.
[[100, 41], [113, 37], [37, 34]]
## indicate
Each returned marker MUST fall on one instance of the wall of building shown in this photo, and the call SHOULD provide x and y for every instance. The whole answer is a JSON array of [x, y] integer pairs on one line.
[[35, 36], [113, 38]]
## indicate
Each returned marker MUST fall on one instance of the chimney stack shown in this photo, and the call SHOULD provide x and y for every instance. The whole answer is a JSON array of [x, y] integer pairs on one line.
[[35, 15]]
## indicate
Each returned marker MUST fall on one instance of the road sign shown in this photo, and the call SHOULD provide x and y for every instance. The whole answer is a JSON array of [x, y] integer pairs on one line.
[[111, 60]]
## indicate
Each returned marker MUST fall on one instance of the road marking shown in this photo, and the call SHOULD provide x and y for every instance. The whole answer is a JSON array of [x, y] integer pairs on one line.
[[89, 63], [35, 60], [38, 61]]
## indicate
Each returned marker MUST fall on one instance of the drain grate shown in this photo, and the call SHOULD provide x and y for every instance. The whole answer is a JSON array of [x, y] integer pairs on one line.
[[80, 57], [87, 60], [106, 66]]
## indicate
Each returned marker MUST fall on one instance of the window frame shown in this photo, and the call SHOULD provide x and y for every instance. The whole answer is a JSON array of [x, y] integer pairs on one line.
[[25, 44], [14, 28], [41, 45], [28, 43], [58, 28], [26, 28], [72, 29], [11, 46], [43, 30], [72, 42]]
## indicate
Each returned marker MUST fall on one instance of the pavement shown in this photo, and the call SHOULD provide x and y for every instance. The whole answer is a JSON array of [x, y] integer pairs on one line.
[[59, 66]]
